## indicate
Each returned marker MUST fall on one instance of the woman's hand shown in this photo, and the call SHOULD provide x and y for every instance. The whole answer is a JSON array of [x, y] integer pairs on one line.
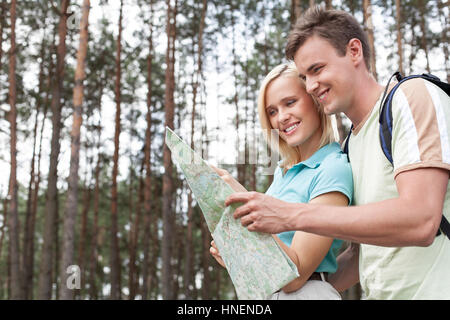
[[215, 253], [226, 176]]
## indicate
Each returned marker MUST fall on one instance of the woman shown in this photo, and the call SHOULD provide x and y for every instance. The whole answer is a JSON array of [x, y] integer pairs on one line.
[[313, 169]]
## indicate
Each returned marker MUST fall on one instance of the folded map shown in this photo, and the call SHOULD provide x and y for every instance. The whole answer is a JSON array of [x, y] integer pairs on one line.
[[255, 262]]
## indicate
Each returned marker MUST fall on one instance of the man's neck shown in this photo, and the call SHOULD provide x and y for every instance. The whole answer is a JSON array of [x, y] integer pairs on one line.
[[367, 93]]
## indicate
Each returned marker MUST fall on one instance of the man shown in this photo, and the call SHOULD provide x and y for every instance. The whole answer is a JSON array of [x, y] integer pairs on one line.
[[397, 209]]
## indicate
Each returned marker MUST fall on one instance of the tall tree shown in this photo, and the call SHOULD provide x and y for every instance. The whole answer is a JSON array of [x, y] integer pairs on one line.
[[398, 19], [169, 103], [51, 206], [114, 247], [368, 23], [444, 35], [189, 253], [66, 292], [147, 160], [16, 285], [296, 11], [423, 28], [30, 214]]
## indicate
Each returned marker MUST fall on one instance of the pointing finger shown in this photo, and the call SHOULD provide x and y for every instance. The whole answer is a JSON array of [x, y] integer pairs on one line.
[[238, 197]]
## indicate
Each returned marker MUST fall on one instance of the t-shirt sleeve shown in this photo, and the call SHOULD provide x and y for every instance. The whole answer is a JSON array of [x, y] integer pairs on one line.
[[421, 123], [335, 175]]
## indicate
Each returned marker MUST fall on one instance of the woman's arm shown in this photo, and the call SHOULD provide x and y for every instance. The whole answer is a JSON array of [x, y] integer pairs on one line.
[[307, 250]]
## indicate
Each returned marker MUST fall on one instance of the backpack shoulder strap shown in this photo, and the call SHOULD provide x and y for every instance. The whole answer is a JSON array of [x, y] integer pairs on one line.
[[386, 124]]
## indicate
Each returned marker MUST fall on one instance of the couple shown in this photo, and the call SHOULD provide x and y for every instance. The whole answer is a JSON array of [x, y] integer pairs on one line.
[[396, 210]]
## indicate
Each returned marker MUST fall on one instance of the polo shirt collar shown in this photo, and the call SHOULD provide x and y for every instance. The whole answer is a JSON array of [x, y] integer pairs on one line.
[[316, 159]]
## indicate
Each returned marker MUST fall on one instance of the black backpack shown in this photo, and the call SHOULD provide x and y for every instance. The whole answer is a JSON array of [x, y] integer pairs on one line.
[[386, 125]]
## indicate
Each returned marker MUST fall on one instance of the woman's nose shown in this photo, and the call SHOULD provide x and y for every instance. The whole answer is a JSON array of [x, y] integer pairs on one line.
[[283, 116]]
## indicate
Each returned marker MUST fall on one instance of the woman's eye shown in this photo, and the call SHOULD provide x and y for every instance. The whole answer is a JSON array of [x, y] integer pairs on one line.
[[290, 102], [271, 112]]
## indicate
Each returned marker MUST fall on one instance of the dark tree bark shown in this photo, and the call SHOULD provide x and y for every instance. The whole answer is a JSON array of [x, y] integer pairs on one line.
[[51, 206], [16, 284], [66, 292], [168, 189], [114, 249]]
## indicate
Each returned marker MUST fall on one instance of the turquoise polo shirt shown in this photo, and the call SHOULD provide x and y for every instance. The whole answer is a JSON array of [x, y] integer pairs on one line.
[[327, 170]]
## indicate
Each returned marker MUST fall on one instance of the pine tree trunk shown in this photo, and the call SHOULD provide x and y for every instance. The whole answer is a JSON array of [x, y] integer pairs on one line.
[[423, 38], [29, 228], [189, 252], [134, 232], [444, 37], [114, 249], [398, 18], [296, 11], [240, 162], [168, 213], [51, 206], [65, 289], [148, 173], [93, 254], [367, 9], [16, 285]]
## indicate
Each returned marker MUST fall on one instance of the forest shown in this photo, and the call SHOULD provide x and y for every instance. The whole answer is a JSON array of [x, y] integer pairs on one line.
[[87, 185]]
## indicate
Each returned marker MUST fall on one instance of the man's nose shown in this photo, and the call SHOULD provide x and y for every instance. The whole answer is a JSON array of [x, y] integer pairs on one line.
[[311, 85]]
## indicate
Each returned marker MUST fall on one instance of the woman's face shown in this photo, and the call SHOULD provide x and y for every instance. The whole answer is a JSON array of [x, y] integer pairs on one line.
[[292, 111]]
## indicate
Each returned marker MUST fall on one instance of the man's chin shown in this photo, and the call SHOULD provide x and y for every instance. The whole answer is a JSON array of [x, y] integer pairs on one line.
[[329, 110]]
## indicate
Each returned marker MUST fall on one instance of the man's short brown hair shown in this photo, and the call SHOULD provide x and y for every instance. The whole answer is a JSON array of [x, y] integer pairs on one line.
[[337, 27]]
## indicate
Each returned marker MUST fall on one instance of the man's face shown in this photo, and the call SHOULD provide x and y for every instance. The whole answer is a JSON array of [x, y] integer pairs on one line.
[[328, 75]]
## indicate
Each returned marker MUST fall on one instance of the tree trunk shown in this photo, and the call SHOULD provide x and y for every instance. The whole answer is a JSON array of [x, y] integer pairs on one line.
[[66, 289], [148, 172], [114, 249], [167, 210], [398, 18], [423, 28], [16, 285], [444, 37], [134, 232], [367, 9], [51, 206], [240, 162], [30, 217], [296, 11], [189, 253], [93, 254]]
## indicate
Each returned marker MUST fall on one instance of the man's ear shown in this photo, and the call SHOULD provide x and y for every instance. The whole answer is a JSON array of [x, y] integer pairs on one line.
[[355, 51]]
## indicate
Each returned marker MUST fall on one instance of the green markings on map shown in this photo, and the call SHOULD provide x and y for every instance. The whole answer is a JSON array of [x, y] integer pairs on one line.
[[255, 262]]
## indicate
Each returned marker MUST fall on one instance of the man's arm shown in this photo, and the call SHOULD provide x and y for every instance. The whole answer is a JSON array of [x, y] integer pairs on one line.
[[412, 219], [347, 274]]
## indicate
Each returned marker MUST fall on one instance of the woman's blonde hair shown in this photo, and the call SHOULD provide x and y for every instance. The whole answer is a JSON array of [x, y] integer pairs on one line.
[[289, 155]]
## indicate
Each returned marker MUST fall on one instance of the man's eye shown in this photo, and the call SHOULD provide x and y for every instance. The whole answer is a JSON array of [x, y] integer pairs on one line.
[[316, 69]]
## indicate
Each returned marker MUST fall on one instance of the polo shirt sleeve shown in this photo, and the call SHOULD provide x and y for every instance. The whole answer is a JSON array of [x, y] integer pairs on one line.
[[421, 126], [334, 175]]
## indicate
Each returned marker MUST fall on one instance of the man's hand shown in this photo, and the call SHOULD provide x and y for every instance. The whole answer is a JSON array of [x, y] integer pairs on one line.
[[227, 177], [263, 213]]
